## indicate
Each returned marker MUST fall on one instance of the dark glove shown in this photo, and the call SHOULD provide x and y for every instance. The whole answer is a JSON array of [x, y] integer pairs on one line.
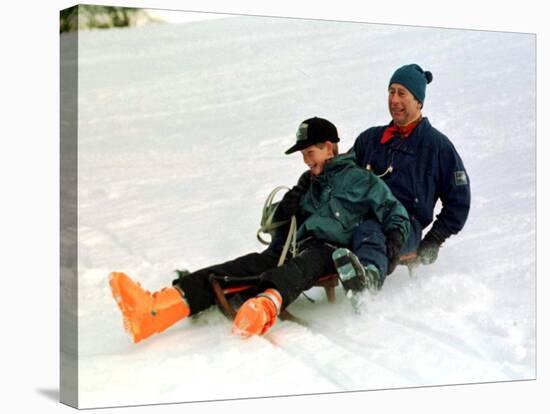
[[288, 206], [429, 246], [394, 243], [290, 202], [304, 182]]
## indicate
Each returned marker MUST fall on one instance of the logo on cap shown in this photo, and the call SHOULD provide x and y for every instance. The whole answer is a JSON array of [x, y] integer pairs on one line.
[[301, 134]]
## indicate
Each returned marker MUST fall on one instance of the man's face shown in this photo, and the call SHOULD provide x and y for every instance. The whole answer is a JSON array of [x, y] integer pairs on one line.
[[316, 157], [403, 106]]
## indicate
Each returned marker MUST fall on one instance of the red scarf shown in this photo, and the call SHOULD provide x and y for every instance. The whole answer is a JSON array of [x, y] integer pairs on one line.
[[393, 130]]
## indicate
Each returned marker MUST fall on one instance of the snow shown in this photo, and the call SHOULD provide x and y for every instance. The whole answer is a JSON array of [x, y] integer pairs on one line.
[[182, 132]]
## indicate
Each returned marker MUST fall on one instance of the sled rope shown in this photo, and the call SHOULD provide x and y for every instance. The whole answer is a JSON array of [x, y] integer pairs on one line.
[[268, 225], [290, 240]]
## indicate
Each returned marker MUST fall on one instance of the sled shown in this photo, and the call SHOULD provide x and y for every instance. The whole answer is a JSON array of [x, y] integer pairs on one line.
[[412, 261], [268, 226], [328, 282]]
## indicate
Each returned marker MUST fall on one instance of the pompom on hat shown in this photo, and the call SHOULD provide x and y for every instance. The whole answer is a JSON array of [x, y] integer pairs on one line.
[[414, 78]]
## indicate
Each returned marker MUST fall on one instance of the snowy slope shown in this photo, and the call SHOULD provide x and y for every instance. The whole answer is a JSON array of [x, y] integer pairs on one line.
[[182, 130]]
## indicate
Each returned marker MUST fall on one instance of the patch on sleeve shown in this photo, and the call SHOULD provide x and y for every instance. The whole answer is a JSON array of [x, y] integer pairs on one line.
[[461, 178]]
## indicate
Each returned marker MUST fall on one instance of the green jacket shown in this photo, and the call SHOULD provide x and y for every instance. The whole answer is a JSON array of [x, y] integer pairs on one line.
[[343, 196]]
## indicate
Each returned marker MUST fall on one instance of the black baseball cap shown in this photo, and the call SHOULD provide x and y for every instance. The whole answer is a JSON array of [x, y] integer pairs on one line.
[[313, 131]]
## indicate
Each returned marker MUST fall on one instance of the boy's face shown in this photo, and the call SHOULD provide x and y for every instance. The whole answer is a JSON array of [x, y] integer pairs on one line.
[[315, 157]]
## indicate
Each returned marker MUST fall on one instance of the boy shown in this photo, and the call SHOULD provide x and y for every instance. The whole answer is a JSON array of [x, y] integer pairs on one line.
[[339, 197]]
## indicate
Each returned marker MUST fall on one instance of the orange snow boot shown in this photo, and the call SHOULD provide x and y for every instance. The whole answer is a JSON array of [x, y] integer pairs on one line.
[[145, 314], [258, 314]]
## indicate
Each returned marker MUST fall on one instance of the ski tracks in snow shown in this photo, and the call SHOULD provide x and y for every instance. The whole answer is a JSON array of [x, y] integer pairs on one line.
[[454, 345], [353, 361], [339, 359]]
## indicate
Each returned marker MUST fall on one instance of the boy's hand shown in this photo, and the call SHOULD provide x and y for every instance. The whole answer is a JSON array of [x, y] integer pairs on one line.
[[304, 182], [290, 202], [394, 243]]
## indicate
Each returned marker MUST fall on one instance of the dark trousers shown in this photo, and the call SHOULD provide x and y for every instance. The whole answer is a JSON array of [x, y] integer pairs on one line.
[[369, 244], [291, 279]]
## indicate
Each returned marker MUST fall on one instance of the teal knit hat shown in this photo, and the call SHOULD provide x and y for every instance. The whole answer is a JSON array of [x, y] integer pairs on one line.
[[414, 79]]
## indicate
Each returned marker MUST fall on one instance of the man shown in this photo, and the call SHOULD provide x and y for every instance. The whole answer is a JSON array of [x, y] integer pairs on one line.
[[419, 164]]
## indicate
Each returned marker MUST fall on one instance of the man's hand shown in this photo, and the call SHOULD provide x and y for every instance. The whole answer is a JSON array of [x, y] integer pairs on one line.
[[429, 247], [427, 252]]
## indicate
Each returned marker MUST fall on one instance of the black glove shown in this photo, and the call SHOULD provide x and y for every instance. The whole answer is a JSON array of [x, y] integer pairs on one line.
[[429, 246], [290, 202], [394, 243], [288, 205], [304, 182]]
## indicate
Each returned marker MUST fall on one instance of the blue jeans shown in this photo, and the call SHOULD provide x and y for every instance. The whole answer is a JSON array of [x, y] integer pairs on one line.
[[369, 244]]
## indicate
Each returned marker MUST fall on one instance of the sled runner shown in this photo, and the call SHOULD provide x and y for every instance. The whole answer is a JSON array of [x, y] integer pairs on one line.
[[410, 260]]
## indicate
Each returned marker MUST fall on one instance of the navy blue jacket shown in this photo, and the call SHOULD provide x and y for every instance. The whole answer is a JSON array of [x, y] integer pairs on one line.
[[425, 168]]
